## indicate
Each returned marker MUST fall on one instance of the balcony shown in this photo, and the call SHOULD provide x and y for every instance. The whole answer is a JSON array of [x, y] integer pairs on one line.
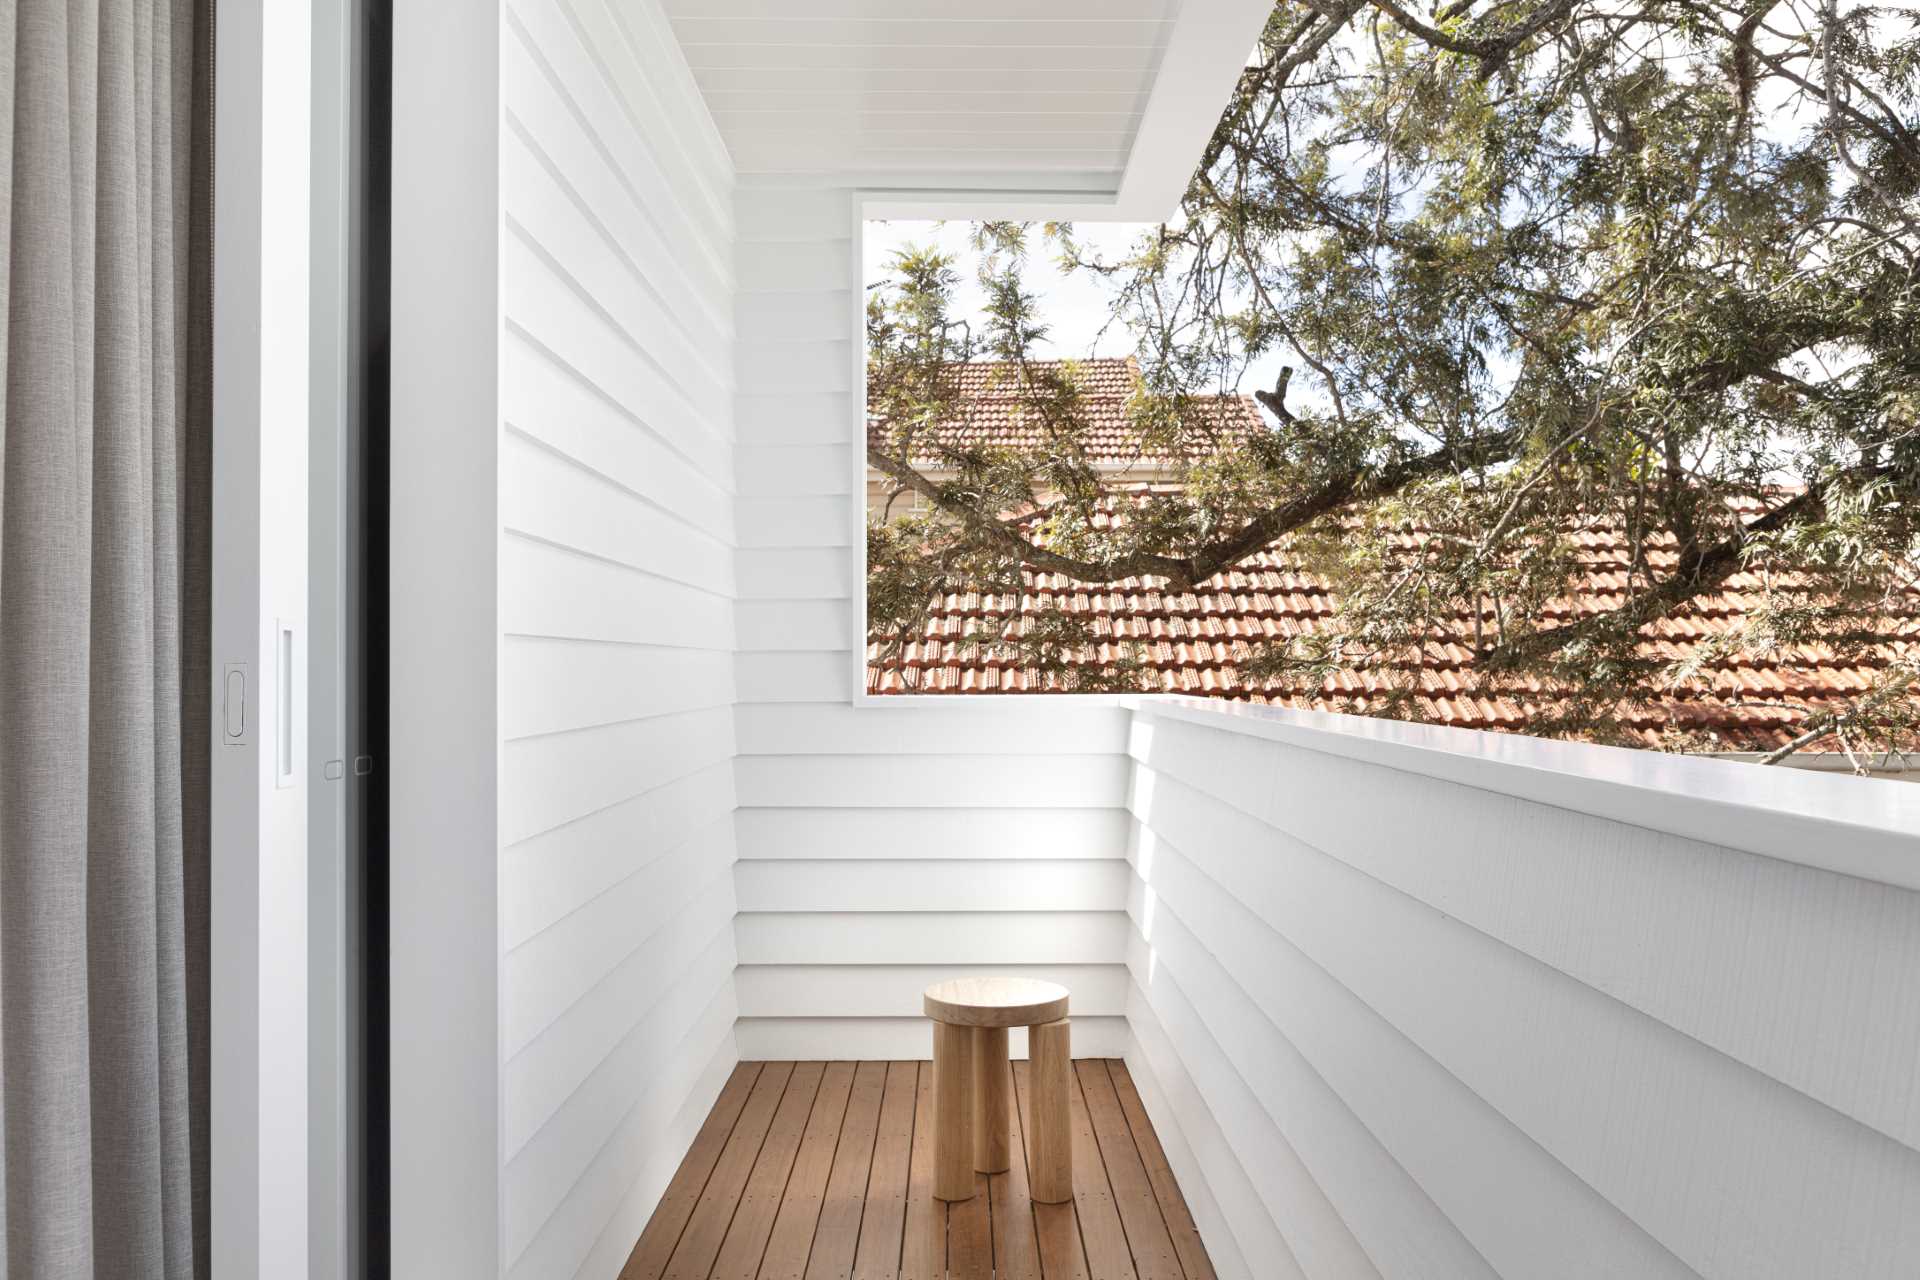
[[1368, 999]]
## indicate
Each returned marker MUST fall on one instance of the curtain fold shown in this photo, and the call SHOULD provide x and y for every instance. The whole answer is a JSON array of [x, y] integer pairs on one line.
[[105, 470]]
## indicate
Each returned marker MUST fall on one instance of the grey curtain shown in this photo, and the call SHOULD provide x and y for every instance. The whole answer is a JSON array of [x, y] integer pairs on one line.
[[105, 110]]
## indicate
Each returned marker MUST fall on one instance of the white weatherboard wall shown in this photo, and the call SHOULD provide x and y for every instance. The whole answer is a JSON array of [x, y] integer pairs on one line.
[[1413, 1027], [883, 847], [617, 627]]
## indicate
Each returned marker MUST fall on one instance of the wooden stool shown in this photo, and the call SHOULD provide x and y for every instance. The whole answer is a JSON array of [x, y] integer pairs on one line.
[[971, 1083]]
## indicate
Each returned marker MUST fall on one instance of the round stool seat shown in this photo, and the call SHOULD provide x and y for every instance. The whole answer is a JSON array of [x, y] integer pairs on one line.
[[996, 1002]]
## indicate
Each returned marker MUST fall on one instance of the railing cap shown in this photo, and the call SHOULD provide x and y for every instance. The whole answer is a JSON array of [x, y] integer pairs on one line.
[[1863, 827]]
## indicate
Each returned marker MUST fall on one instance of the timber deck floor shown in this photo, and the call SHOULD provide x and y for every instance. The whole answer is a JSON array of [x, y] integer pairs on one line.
[[824, 1171]]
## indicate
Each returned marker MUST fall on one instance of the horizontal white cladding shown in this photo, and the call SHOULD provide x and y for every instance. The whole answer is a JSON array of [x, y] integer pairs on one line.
[[608, 1136], [556, 498], [632, 1011], [969, 831], [932, 937], [649, 1140], [1037, 726], [547, 590], [1225, 1205], [1843, 953], [1453, 1026], [881, 847], [559, 871], [811, 214], [792, 470], [617, 582], [555, 779], [552, 402], [620, 940], [560, 313], [795, 573], [818, 520], [919, 884], [933, 781], [792, 626], [794, 266], [550, 685], [801, 676], [894, 990]]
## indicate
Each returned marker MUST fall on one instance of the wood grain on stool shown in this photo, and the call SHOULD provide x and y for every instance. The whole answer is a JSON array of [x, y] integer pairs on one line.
[[1050, 1137], [992, 1083], [995, 1002], [952, 1111]]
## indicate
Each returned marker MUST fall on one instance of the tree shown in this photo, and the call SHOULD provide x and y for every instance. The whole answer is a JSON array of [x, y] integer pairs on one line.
[[1539, 265]]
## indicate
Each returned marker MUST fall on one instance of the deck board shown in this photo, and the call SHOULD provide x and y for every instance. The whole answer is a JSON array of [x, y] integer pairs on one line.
[[1140, 1216], [1016, 1252], [656, 1245], [1107, 1254], [1194, 1262], [1056, 1227], [879, 1254], [753, 1219], [792, 1239], [923, 1252], [839, 1232], [825, 1170], [700, 1244]]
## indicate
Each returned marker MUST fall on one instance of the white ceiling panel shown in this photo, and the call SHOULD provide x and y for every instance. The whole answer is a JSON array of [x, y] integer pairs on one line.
[[906, 86], [1050, 94], [957, 33], [844, 10], [983, 83]]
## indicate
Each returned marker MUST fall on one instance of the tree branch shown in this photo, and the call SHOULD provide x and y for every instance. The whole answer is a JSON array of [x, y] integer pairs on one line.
[[1700, 572], [1836, 719], [1354, 486]]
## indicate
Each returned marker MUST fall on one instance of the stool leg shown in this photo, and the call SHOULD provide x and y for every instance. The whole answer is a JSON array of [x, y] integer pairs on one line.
[[1049, 1129], [952, 1112], [992, 1080]]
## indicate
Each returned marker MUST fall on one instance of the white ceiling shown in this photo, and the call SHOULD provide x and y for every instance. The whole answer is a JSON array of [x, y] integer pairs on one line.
[[882, 87]]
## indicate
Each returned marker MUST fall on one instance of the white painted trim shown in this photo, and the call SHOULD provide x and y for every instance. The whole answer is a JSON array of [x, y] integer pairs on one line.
[[1205, 56], [864, 206], [1864, 827], [444, 640], [335, 1097], [1205, 53], [857, 452], [258, 1071]]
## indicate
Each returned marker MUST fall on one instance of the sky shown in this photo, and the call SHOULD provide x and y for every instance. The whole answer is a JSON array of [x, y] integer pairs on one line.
[[1074, 304]]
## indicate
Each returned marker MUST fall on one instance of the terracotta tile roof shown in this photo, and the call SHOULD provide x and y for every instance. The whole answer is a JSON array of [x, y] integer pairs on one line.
[[992, 414], [1193, 641]]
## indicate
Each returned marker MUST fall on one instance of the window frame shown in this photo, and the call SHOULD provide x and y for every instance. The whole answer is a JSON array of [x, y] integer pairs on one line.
[[885, 204]]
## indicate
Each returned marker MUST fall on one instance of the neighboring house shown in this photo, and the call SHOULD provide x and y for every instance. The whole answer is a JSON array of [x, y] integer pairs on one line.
[[1741, 704], [992, 415]]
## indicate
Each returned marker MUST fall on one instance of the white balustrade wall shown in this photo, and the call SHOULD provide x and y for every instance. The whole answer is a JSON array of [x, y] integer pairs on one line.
[[1432, 1003]]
